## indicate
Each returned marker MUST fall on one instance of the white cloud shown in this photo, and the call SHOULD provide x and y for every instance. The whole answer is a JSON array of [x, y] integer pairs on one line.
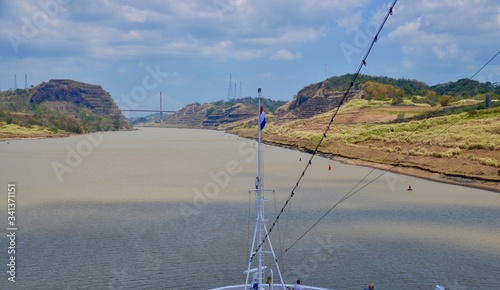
[[350, 22], [417, 42], [407, 30], [129, 28], [286, 55], [452, 32], [134, 14]]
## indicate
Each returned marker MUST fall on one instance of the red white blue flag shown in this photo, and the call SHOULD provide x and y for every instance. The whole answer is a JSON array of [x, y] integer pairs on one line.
[[262, 118]]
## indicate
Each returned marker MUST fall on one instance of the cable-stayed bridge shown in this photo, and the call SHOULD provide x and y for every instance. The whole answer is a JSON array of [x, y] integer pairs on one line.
[[160, 110]]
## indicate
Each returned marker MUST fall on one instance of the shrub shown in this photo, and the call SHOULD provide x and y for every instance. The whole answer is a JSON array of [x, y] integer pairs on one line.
[[488, 161], [210, 111], [453, 152], [445, 100], [437, 154], [477, 146]]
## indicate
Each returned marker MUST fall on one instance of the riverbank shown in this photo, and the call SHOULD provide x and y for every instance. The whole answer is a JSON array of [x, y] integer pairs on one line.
[[426, 167], [14, 131], [426, 174]]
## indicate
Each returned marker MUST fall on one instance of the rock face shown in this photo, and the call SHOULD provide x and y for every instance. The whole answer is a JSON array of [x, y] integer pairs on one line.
[[208, 116], [235, 113], [191, 116], [313, 100], [93, 97]]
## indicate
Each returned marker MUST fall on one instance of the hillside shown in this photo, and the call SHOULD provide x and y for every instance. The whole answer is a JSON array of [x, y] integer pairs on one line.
[[81, 94], [313, 100], [58, 107], [220, 114]]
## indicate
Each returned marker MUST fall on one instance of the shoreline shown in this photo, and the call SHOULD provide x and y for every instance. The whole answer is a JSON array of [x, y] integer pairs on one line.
[[424, 174], [36, 137]]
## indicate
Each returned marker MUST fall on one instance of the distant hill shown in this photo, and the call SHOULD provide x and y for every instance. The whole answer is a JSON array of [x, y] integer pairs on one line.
[[466, 88], [410, 87], [62, 105], [460, 88], [93, 97], [220, 113]]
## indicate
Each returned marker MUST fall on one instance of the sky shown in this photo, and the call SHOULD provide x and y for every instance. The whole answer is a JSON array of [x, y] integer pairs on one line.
[[188, 50]]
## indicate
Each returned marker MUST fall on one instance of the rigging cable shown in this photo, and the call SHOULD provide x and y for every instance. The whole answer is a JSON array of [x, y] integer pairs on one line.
[[248, 224], [344, 97], [351, 192]]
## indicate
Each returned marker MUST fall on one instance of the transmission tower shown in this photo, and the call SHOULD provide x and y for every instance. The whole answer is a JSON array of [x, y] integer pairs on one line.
[[241, 94], [230, 90], [15, 82], [326, 71], [25, 81]]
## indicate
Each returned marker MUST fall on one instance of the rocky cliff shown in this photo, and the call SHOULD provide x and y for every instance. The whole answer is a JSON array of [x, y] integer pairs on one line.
[[235, 113], [313, 100], [191, 116], [90, 105], [93, 97]]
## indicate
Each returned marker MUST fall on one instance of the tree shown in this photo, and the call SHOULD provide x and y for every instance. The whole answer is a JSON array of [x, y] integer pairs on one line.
[[432, 98], [445, 100], [378, 91]]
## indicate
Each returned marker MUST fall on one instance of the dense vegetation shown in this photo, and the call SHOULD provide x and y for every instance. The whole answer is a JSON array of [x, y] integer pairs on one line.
[[409, 87], [396, 90], [466, 88]]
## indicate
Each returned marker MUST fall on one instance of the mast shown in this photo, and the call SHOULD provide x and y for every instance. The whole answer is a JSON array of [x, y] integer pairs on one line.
[[260, 227], [260, 206]]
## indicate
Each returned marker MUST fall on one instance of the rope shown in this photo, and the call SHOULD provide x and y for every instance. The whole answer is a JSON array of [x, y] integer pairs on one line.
[[248, 225], [279, 234], [344, 97]]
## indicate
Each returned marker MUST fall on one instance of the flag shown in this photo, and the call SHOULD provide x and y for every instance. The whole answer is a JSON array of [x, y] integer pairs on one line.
[[262, 118]]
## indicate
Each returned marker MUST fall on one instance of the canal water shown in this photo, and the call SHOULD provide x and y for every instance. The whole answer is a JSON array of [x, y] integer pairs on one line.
[[171, 209]]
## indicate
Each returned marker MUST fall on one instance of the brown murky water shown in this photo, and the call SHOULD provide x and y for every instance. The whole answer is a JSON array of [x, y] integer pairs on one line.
[[170, 209]]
